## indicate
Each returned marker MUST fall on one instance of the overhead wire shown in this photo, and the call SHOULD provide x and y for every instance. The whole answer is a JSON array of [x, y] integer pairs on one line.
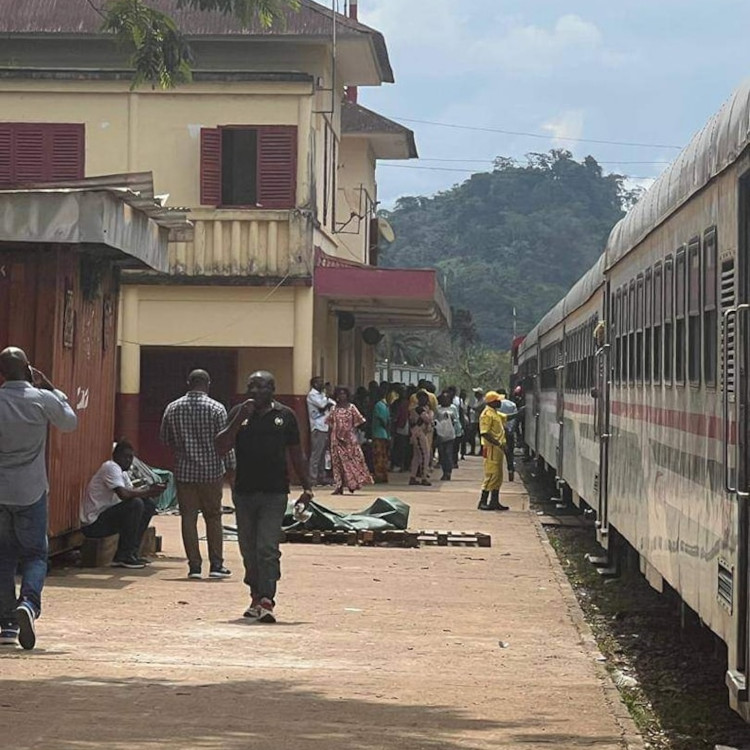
[[543, 136], [469, 170]]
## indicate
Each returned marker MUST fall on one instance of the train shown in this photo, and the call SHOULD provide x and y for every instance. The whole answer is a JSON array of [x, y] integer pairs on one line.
[[637, 385]]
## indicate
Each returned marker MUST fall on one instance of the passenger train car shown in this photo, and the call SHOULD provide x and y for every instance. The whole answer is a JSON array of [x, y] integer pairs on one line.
[[638, 384]]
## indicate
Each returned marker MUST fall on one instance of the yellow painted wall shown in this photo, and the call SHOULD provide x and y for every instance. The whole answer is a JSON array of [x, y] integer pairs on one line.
[[276, 360], [217, 316], [356, 177]]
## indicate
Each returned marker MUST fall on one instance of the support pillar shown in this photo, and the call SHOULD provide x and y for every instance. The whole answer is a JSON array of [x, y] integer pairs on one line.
[[302, 364], [302, 358], [128, 399]]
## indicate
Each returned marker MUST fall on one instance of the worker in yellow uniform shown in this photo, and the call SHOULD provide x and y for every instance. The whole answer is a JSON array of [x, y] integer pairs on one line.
[[492, 432]]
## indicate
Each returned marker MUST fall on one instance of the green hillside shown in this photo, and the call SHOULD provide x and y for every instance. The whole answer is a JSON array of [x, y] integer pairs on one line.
[[519, 236]]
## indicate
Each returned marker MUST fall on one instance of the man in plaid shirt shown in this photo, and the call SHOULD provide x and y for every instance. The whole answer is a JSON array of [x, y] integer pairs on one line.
[[189, 426]]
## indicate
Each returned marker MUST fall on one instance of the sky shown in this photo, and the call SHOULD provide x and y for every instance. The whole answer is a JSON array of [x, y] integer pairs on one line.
[[634, 71]]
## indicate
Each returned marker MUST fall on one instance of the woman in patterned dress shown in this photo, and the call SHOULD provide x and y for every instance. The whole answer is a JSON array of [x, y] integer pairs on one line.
[[349, 467]]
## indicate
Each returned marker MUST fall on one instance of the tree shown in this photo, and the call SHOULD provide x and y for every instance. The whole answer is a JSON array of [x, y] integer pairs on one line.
[[159, 53], [515, 238]]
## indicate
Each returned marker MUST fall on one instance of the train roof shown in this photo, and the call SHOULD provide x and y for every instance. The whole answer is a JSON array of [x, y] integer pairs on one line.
[[553, 318], [717, 146], [586, 287]]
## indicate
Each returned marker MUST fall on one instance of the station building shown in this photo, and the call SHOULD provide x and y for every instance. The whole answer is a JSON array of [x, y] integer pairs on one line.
[[274, 160]]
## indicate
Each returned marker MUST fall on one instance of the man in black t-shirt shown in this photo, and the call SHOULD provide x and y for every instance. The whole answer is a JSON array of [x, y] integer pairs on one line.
[[263, 433]]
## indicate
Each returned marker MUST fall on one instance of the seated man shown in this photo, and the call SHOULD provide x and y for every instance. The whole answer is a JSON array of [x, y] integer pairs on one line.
[[112, 506]]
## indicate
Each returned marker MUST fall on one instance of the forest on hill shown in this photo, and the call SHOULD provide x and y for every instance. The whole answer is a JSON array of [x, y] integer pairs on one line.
[[517, 237]]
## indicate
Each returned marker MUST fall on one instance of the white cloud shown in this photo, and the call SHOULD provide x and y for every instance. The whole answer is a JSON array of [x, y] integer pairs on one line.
[[531, 48], [441, 37], [564, 127]]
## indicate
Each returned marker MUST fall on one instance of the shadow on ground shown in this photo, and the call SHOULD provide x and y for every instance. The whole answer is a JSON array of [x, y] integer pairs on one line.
[[71, 712]]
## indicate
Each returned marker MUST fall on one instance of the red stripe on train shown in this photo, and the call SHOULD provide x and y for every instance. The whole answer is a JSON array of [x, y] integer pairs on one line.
[[704, 425]]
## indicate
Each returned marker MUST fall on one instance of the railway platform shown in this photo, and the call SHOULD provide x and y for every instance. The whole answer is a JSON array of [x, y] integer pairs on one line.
[[435, 648]]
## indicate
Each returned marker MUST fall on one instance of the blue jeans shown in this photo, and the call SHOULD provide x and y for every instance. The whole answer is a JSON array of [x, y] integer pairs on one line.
[[23, 540], [259, 518]]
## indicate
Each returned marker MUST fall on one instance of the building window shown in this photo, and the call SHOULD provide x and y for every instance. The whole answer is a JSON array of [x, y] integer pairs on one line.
[[710, 318], [694, 311], [249, 167], [668, 319], [657, 317], [680, 298], [40, 152]]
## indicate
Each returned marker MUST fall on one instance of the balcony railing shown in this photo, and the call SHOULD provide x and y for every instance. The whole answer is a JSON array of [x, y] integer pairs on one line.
[[244, 243]]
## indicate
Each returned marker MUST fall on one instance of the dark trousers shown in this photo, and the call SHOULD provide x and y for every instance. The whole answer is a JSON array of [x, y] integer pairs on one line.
[[445, 453], [259, 519], [23, 541], [470, 438], [400, 453], [129, 519], [456, 450], [510, 448]]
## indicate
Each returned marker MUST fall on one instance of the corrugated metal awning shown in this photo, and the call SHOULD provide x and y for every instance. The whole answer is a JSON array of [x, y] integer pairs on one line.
[[132, 224]]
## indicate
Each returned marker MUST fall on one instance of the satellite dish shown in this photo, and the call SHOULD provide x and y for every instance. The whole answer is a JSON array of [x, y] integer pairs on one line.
[[386, 230]]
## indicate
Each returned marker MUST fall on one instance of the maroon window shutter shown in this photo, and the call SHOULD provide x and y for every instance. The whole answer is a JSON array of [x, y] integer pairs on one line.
[[210, 167], [66, 152], [6, 147], [277, 167], [30, 158]]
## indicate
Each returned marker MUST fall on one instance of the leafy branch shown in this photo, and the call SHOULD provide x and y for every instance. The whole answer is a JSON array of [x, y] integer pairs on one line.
[[159, 53]]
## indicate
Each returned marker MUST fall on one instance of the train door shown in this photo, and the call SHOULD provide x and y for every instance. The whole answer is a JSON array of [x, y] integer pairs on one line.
[[735, 381], [601, 415], [537, 399], [560, 406]]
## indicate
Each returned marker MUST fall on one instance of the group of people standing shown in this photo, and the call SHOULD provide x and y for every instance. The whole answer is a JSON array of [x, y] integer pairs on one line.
[[354, 441]]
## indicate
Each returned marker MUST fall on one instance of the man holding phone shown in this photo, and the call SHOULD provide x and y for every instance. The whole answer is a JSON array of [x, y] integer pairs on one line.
[[113, 506], [263, 433], [29, 403]]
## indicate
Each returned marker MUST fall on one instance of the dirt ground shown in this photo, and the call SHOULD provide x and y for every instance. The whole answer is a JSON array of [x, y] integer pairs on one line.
[[375, 648]]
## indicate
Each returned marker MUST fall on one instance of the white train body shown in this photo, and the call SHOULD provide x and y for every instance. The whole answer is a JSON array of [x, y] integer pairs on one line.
[[643, 422]]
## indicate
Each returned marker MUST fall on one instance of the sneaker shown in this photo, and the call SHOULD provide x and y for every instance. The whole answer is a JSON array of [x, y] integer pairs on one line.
[[265, 608], [25, 616], [220, 572], [132, 563], [253, 611], [195, 573], [144, 560], [9, 634], [426, 483]]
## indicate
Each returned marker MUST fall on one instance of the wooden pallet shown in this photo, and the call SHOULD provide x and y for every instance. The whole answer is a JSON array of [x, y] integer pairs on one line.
[[455, 538], [388, 538], [321, 537], [391, 538]]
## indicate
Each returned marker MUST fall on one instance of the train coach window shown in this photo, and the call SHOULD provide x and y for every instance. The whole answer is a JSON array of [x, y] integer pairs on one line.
[[617, 322], [668, 318], [639, 316], [658, 296], [647, 322], [680, 340], [631, 332], [710, 318], [694, 311]]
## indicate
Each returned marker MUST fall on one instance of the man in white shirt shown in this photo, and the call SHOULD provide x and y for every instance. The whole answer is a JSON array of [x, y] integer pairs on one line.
[[318, 406], [29, 403], [112, 506]]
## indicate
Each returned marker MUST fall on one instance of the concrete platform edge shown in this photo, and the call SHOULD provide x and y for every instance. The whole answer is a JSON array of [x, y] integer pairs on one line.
[[632, 738]]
